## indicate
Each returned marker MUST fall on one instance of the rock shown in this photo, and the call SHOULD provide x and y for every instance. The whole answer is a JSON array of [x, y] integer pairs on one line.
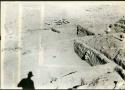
[[117, 27], [83, 32], [120, 85], [54, 30], [61, 22], [65, 21], [47, 24]]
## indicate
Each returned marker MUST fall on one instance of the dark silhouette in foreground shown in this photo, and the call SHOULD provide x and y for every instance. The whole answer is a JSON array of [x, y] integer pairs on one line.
[[27, 83]]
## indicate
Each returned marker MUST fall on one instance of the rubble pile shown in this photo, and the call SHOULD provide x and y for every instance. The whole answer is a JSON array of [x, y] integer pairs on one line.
[[83, 32], [62, 21]]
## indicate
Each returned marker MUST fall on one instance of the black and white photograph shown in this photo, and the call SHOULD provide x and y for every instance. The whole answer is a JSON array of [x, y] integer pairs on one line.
[[62, 45]]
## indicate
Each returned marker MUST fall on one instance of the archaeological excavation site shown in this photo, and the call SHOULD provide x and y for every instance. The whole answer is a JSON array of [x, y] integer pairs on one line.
[[63, 45], [103, 50]]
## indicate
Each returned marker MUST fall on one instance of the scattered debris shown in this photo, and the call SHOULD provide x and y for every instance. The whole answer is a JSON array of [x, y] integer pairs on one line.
[[47, 24], [83, 32], [62, 21], [53, 80], [54, 30], [54, 56], [26, 52], [94, 82], [69, 73], [12, 49]]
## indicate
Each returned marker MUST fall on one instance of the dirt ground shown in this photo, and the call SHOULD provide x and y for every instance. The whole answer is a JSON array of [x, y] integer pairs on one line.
[[30, 44]]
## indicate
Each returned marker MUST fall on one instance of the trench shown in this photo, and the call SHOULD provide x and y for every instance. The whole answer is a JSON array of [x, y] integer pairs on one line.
[[121, 72], [90, 55]]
